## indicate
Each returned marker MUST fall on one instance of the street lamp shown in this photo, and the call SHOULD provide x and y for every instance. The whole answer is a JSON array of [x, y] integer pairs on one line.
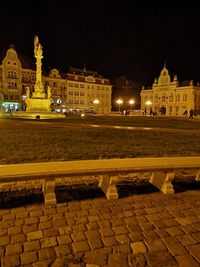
[[119, 102], [131, 102], [96, 102], [148, 103]]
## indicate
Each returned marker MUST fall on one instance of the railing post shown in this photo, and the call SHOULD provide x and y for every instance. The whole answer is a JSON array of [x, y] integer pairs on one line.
[[108, 185], [198, 176], [162, 181], [49, 191]]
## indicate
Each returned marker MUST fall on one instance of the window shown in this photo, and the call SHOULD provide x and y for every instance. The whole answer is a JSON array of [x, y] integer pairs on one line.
[[70, 93], [177, 98], [54, 84], [156, 98], [185, 98], [171, 97], [76, 85], [81, 101], [81, 85], [81, 93], [76, 93], [163, 98]]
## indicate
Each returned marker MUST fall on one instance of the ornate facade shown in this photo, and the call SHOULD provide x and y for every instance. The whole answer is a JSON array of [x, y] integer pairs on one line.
[[170, 97], [75, 90]]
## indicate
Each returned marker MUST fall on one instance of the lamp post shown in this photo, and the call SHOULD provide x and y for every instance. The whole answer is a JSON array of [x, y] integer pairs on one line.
[[96, 102], [148, 103], [119, 102], [131, 102]]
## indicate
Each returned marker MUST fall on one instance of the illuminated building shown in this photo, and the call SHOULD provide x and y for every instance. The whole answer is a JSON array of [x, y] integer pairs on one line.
[[84, 87], [76, 90], [169, 97]]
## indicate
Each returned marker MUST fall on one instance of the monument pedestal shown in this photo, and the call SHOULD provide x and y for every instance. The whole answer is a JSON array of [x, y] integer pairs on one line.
[[38, 105]]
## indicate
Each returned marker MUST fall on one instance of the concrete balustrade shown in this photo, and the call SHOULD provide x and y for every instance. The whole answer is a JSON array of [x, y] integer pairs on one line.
[[108, 172]]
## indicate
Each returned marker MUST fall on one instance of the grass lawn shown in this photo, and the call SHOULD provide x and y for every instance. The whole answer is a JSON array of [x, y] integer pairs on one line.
[[36, 141]]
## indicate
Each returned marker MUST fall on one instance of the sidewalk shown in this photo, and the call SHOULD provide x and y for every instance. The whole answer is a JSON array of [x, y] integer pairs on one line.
[[140, 230]]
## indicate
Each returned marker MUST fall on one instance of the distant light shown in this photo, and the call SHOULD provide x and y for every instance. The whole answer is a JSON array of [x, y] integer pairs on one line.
[[82, 115], [148, 102], [96, 101], [131, 102], [119, 101]]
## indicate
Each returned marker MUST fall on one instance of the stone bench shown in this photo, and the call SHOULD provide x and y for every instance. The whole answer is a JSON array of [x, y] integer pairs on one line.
[[108, 172]]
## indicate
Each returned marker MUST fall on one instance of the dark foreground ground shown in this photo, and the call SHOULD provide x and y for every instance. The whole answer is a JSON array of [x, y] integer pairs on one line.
[[142, 228]]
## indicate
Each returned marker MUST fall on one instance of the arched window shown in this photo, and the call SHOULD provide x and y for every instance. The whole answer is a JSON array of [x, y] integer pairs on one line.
[[163, 98], [171, 98]]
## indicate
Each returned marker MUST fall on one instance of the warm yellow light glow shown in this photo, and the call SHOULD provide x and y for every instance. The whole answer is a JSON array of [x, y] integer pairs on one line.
[[96, 101], [131, 102], [119, 101], [82, 115], [148, 102]]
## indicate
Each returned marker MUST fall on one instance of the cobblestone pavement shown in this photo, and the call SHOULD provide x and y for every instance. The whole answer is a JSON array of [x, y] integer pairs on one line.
[[139, 230]]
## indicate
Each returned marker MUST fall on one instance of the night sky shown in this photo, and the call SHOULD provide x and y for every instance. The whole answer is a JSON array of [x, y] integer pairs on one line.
[[131, 38]]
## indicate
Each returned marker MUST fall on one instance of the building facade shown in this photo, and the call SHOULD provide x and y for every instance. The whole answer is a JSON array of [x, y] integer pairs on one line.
[[169, 97], [76, 90], [87, 90]]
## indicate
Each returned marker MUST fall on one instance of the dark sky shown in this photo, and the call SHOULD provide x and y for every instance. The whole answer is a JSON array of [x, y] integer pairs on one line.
[[131, 38]]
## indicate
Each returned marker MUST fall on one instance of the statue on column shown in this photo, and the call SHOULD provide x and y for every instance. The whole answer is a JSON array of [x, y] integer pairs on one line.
[[27, 92], [49, 92], [37, 48]]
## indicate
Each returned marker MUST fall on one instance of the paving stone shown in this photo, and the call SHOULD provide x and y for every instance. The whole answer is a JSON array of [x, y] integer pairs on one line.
[[29, 228], [36, 213], [138, 247], [174, 231], [104, 223], [50, 232], [59, 223], [187, 261], [3, 232], [196, 236], [34, 235], [125, 248], [187, 239], [48, 242], [106, 232], [95, 243], [195, 251], [93, 257], [13, 249], [171, 222], [29, 257], [142, 219], [31, 220], [136, 260], [11, 261], [45, 225], [14, 230], [177, 249], [80, 246], [31, 246], [17, 238], [155, 245], [4, 240], [64, 230], [109, 241], [78, 236], [189, 229], [136, 237], [58, 263], [79, 228], [134, 228], [94, 218], [93, 234], [183, 221], [64, 239], [122, 239], [162, 233], [120, 260], [62, 250], [120, 230], [46, 253], [92, 226], [160, 259]]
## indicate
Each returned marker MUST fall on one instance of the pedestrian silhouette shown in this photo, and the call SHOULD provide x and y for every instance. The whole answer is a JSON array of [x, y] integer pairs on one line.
[[191, 114]]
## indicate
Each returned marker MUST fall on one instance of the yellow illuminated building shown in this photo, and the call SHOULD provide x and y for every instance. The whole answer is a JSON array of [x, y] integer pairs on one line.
[[76, 90], [169, 97]]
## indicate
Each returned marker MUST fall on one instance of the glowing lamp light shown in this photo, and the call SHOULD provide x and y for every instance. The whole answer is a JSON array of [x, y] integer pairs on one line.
[[148, 102], [96, 101], [119, 102]]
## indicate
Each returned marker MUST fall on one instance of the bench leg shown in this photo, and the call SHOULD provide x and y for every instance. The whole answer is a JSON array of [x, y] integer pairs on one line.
[[163, 181], [108, 186], [198, 176], [49, 192]]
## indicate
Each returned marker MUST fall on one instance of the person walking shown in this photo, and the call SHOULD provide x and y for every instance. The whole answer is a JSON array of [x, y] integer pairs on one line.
[[191, 114]]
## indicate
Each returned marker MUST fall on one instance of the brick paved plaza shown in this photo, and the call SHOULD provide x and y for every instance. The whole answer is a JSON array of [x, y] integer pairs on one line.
[[139, 230]]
